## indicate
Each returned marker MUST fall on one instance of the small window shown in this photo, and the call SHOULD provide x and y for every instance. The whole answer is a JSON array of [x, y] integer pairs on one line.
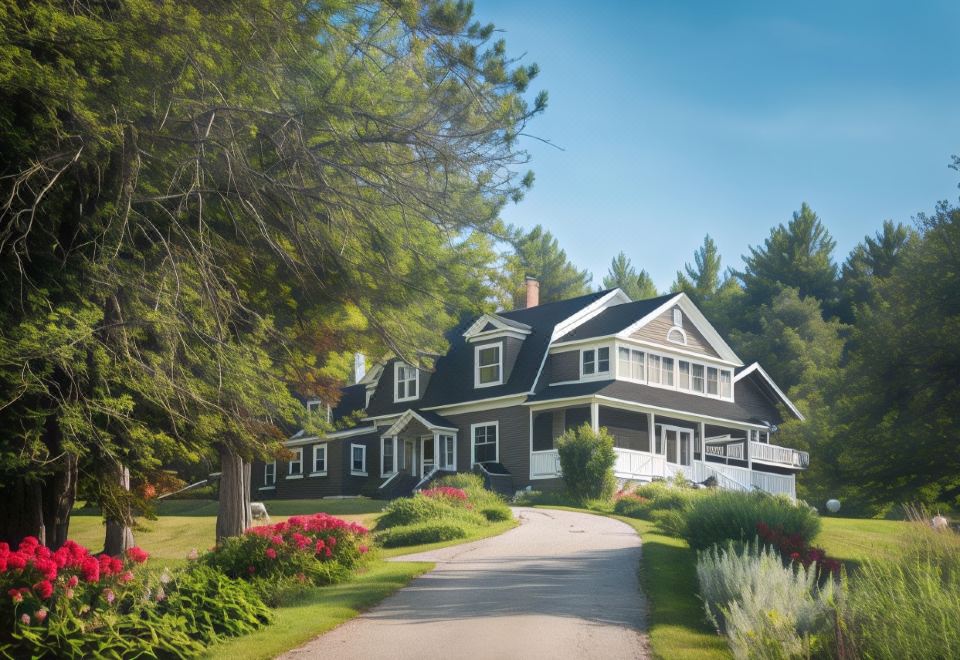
[[319, 459], [623, 362], [270, 473], [677, 317], [386, 456], [683, 375], [595, 361], [636, 365], [712, 382], [653, 369], [677, 336], [314, 405], [406, 382], [697, 378], [358, 460], [448, 459], [603, 360], [489, 365], [726, 384], [485, 443], [296, 463], [666, 369]]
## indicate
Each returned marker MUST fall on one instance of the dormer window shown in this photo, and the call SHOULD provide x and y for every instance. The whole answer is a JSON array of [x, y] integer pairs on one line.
[[314, 405], [407, 381], [594, 361], [488, 370]]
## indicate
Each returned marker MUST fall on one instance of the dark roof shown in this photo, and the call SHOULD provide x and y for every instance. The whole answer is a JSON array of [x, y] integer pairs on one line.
[[435, 419], [614, 319], [653, 396], [452, 379], [352, 397]]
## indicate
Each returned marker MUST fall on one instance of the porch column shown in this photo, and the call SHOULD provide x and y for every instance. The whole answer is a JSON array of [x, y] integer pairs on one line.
[[395, 448], [595, 416], [436, 449], [703, 443], [653, 433], [746, 449]]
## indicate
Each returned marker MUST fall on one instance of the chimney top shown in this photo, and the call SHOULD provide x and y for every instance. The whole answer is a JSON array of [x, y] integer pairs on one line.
[[533, 292]]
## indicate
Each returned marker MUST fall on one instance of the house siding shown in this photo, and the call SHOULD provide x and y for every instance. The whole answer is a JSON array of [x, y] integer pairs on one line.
[[513, 438], [629, 429], [752, 399], [564, 366], [656, 331]]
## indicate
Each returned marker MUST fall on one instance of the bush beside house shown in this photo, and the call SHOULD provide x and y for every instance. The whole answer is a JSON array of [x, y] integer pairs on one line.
[[586, 461]]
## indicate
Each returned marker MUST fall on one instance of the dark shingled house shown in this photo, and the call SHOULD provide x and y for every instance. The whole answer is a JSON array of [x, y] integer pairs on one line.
[[654, 372]]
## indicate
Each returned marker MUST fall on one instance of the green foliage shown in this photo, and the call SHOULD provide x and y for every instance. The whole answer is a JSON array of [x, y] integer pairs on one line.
[[467, 481], [624, 276], [538, 254], [726, 516], [671, 522], [659, 502], [870, 262], [766, 609], [497, 513], [420, 509], [586, 459], [422, 532]]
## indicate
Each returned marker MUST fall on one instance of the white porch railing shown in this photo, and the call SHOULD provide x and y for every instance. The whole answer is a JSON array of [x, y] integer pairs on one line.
[[734, 451], [545, 464], [761, 451], [778, 484], [632, 464]]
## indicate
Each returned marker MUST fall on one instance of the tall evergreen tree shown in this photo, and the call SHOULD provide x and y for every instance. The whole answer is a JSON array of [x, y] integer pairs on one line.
[[870, 261], [716, 292], [624, 276], [538, 254], [798, 255]]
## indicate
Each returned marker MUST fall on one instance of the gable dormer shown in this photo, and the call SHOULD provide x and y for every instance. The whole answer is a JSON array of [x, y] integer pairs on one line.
[[495, 342]]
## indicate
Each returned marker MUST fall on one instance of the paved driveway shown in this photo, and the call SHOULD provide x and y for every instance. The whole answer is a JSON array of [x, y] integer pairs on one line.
[[561, 585]]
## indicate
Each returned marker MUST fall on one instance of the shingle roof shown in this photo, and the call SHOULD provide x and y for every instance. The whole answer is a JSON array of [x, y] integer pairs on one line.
[[614, 319], [653, 396], [352, 397], [452, 380]]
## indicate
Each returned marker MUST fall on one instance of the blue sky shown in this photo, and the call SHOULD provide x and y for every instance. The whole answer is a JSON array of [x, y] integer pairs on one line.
[[681, 118]]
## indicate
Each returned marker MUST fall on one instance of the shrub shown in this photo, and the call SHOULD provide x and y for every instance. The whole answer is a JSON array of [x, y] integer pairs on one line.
[[427, 532], [586, 460], [422, 509], [766, 609], [497, 513], [645, 501], [448, 493], [723, 516], [318, 549], [463, 480], [669, 521]]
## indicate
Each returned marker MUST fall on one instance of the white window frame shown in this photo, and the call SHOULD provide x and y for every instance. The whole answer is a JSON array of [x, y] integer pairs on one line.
[[596, 373], [313, 405], [353, 471], [396, 381], [476, 364], [677, 336], [716, 371], [473, 441], [652, 359], [677, 317], [298, 451], [272, 472], [314, 472], [384, 442], [442, 453]]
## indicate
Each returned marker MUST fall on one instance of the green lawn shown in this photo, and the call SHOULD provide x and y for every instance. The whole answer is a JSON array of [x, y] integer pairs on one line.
[[855, 539]]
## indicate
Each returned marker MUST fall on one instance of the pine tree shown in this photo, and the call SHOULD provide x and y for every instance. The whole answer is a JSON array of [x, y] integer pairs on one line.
[[537, 253], [624, 276]]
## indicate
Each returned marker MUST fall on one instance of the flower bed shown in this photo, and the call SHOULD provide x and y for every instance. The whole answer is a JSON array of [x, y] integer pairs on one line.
[[794, 548]]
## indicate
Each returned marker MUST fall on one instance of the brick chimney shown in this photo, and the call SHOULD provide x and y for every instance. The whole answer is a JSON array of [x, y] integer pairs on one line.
[[533, 292]]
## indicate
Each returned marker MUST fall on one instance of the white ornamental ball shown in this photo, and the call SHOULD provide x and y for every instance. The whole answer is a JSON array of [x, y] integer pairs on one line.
[[833, 506], [939, 522]]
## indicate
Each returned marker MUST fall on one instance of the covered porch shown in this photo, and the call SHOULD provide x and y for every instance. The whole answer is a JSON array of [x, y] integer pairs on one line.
[[418, 444], [653, 444]]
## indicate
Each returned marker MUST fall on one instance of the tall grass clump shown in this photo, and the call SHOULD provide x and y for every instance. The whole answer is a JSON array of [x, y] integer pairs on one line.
[[767, 609], [662, 503], [908, 607], [733, 516]]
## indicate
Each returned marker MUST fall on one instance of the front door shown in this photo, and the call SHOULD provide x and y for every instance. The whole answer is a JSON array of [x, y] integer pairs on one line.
[[407, 460], [426, 450]]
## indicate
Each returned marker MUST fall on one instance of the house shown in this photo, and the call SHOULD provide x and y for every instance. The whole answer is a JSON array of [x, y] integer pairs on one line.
[[655, 373]]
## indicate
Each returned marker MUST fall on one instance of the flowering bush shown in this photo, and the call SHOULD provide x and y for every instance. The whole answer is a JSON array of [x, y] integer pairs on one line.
[[793, 547], [446, 492], [307, 550]]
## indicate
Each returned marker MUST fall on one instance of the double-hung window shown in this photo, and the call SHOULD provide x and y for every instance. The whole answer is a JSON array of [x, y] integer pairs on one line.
[[358, 460], [713, 386], [683, 374], [295, 466], [594, 361], [489, 361], [653, 369], [406, 379], [666, 369], [484, 442], [319, 460], [630, 364], [726, 384], [447, 459], [386, 456], [697, 378], [269, 474]]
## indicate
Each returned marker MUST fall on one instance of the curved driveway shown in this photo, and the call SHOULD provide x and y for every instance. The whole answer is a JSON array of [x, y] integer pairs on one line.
[[561, 585]]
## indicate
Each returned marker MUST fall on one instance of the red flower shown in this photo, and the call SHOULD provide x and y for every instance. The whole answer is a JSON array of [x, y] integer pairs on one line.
[[138, 555], [127, 577], [15, 595], [17, 561], [363, 549], [794, 556], [72, 582], [90, 568], [271, 553], [43, 589]]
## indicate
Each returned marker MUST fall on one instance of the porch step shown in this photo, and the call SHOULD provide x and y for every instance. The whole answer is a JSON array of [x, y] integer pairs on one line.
[[497, 478], [400, 486]]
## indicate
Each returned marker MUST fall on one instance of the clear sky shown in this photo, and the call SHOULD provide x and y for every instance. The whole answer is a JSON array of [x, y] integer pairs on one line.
[[680, 118]]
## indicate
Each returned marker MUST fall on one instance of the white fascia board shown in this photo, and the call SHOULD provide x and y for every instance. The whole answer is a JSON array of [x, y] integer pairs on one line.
[[405, 419], [500, 324], [783, 397]]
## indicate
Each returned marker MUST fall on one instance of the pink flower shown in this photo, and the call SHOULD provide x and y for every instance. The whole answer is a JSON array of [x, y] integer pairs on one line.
[[43, 589], [41, 614], [193, 555], [138, 555], [68, 593], [363, 549], [15, 595], [271, 553], [276, 539], [251, 570], [72, 582], [109, 596], [127, 577], [25, 619]]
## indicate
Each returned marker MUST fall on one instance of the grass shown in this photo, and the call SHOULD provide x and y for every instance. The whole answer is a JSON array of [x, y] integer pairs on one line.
[[320, 611], [854, 539], [182, 525], [476, 533]]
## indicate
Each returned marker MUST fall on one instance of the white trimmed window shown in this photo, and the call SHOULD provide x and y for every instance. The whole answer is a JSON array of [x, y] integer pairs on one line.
[[666, 371], [295, 466], [489, 365], [713, 383], [726, 384], [653, 369], [677, 317], [448, 452], [594, 361], [269, 474], [406, 380], [683, 375], [358, 460], [319, 461], [313, 405], [386, 456], [697, 378], [631, 364], [484, 442]]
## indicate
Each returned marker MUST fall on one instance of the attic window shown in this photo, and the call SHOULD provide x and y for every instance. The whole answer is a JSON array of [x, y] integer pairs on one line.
[[677, 317], [489, 365], [677, 335], [406, 380]]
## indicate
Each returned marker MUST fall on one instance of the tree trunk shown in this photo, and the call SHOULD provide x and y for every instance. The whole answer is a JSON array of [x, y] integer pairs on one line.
[[119, 536], [21, 513], [59, 495], [233, 514]]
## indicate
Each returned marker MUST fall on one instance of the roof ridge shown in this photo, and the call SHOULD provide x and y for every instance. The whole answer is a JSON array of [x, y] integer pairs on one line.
[[595, 295]]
